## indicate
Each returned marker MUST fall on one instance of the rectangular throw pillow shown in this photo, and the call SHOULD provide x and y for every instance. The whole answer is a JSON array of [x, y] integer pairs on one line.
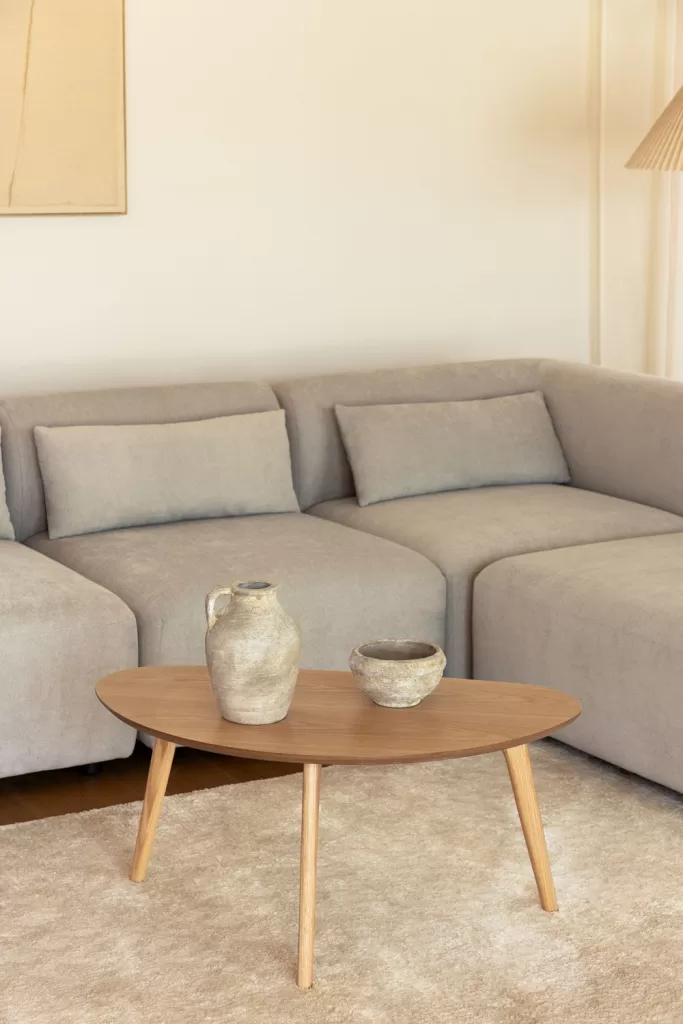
[[422, 448], [104, 478], [6, 528]]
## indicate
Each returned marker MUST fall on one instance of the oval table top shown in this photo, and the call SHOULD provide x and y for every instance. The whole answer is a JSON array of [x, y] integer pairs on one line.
[[331, 721]]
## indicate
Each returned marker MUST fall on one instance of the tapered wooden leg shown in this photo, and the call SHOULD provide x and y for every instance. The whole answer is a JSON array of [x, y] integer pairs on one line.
[[309, 858], [526, 798], [157, 779]]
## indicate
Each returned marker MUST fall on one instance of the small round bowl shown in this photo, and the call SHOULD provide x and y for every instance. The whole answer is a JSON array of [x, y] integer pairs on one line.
[[397, 673]]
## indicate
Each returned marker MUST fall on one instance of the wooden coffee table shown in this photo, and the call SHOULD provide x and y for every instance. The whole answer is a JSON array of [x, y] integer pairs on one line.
[[332, 722]]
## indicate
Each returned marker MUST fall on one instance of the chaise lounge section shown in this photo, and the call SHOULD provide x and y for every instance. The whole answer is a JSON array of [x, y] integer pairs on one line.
[[603, 621]]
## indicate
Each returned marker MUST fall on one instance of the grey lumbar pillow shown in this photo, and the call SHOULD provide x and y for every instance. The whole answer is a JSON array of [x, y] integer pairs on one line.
[[103, 478], [6, 528], [422, 448]]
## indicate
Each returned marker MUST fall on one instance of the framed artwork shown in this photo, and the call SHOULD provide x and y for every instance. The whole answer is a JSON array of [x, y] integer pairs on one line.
[[62, 107]]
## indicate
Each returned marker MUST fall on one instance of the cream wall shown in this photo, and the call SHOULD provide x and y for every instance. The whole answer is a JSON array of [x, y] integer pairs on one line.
[[321, 185], [635, 269]]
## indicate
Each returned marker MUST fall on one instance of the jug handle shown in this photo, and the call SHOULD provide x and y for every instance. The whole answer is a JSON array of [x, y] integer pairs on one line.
[[211, 603]]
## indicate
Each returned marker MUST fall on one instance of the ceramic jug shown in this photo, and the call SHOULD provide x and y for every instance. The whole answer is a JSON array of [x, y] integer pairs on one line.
[[252, 651]]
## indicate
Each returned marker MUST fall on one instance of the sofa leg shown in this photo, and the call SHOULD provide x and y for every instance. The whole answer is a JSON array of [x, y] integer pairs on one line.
[[90, 769]]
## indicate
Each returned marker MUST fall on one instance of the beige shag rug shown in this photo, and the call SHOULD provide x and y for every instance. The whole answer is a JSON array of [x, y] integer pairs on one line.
[[427, 910]]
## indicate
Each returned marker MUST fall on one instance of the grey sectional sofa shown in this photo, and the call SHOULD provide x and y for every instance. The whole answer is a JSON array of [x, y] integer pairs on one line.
[[577, 586]]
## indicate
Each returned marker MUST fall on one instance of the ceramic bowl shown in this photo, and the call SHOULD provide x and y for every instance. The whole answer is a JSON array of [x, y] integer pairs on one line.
[[397, 673]]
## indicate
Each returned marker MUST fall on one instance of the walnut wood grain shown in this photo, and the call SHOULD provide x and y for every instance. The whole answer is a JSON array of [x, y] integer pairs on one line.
[[332, 722]]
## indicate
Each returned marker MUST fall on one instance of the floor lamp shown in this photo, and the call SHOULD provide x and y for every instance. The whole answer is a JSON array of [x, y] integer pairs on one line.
[[662, 150]]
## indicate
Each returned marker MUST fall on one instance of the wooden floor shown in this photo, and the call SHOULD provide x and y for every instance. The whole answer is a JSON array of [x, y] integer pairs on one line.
[[45, 794]]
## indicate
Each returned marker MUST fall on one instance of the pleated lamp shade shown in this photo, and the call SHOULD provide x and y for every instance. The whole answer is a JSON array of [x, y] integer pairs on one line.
[[662, 147]]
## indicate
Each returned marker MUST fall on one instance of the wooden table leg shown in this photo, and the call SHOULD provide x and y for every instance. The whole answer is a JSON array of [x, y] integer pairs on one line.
[[526, 798], [157, 779], [309, 858]]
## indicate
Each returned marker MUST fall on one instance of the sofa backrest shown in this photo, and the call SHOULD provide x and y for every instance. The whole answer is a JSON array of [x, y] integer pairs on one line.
[[319, 463], [622, 433], [172, 404]]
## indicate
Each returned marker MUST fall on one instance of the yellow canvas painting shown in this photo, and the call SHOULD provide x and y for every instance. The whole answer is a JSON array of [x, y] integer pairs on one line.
[[62, 107]]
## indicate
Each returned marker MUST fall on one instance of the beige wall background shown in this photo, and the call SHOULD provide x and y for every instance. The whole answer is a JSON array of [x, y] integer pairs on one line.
[[316, 186]]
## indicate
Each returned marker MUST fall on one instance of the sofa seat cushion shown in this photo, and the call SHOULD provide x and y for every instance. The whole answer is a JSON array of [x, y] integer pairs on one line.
[[605, 623], [341, 586], [59, 634], [464, 531]]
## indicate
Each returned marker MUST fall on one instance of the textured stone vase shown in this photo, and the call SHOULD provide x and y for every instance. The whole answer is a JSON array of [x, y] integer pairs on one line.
[[397, 673], [252, 650]]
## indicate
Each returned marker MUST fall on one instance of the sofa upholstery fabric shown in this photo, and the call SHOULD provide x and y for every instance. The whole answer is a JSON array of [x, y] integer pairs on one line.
[[173, 404], [59, 634], [464, 531], [102, 478], [6, 528], [321, 469], [396, 451], [604, 623], [341, 586], [620, 432]]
